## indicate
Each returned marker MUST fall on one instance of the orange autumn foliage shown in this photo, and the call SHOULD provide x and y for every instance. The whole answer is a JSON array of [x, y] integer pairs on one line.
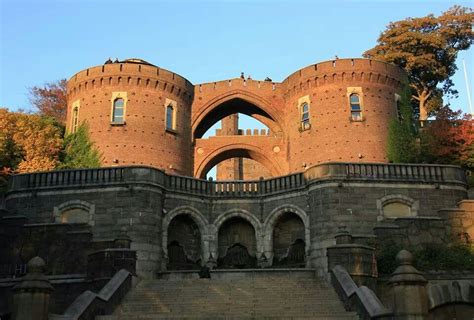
[[449, 139], [51, 99], [28, 142]]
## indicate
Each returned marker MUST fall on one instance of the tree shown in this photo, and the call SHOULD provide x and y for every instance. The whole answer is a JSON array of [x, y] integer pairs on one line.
[[79, 151], [426, 48], [28, 142], [402, 146], [51, 99], [449, 139]]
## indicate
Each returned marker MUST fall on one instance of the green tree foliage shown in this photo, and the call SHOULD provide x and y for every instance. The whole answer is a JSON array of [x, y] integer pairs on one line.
[[79, 151], [426, 48], [402, 146], [431, 257]]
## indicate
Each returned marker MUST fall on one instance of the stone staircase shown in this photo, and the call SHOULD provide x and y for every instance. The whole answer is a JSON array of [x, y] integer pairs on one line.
[[233, 295]]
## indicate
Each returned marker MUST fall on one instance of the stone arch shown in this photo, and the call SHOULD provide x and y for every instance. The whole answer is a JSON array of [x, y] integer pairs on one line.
[[451, 300], [250, 104], [239, 150], [397, 199], [85, 209], [197, 217], [237, 213], [272, 220]]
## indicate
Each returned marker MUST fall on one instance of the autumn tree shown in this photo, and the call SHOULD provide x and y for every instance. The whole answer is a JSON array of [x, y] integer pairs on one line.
[[51, 100], [79, 151], [449, 139], [427, 48], [28, 142]]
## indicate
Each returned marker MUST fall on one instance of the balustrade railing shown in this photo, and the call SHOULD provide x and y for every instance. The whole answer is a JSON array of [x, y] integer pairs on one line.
[[67, 177], [394, 171], [387, 172], [326, 171]]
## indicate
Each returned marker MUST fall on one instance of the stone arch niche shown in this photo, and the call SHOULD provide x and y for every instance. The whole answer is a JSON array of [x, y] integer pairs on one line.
[[235, 102], [287, 226], [74, 211], [289, 246], [237, 244], [397, 206], [184, 243]]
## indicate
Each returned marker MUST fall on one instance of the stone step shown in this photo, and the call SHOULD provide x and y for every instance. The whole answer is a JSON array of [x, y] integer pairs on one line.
[[244, 298], [346, 316]]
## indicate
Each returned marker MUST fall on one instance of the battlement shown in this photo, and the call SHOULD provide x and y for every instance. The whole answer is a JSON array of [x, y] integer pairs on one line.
[[237, 83], [247, 132], [131, 74], [343, 70]]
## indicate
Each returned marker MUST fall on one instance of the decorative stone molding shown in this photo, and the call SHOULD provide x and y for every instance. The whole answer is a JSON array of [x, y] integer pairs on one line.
[[397, 198], [74, 204]]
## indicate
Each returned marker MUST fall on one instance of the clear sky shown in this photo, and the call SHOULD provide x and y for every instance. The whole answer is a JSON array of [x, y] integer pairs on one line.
[[43, 41]]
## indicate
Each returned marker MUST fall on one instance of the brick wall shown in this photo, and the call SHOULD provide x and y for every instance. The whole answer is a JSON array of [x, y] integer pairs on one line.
[[332, 136]]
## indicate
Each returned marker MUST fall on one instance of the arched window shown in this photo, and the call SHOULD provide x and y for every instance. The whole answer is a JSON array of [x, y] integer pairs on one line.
[[399, 107], [356, 109], [304, 116], [170, 123], [75, 119], [118, 111]]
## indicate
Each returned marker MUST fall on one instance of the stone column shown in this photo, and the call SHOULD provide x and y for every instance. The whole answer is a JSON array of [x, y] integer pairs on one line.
[[31, 295], [409, 294], [357, 259]]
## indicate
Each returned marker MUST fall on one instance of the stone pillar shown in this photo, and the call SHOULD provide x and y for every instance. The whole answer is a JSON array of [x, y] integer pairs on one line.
[[122, 240], [31, 295], [357, 259], [409, 293]]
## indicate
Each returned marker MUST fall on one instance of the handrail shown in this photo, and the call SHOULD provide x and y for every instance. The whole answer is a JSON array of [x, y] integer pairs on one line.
[[89, 304], [420, 173], [360, 299]]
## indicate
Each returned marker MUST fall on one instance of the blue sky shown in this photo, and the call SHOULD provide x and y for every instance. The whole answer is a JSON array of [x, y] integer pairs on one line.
[[43, 41]]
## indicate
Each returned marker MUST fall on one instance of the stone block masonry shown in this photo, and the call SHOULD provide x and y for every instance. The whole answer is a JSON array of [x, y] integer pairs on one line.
[[287, 220]]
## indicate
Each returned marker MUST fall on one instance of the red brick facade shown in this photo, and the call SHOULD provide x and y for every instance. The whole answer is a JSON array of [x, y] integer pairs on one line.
[[330, 136], [238, 168]]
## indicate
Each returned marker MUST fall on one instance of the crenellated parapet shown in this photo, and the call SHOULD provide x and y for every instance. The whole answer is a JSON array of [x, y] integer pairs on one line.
[[343, 71], [138, 75]]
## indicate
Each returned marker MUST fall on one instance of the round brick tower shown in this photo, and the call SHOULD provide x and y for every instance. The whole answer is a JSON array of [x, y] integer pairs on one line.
[[138, 114], [340, 111]]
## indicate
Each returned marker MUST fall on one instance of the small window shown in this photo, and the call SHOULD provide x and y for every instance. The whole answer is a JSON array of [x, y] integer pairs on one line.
[[75, 119], [304, 116], [399, 111], [118, 110], [356, 110], [170, 125]]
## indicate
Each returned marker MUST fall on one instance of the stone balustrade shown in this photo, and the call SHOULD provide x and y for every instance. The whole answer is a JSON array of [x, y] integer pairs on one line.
[[406, 173]]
